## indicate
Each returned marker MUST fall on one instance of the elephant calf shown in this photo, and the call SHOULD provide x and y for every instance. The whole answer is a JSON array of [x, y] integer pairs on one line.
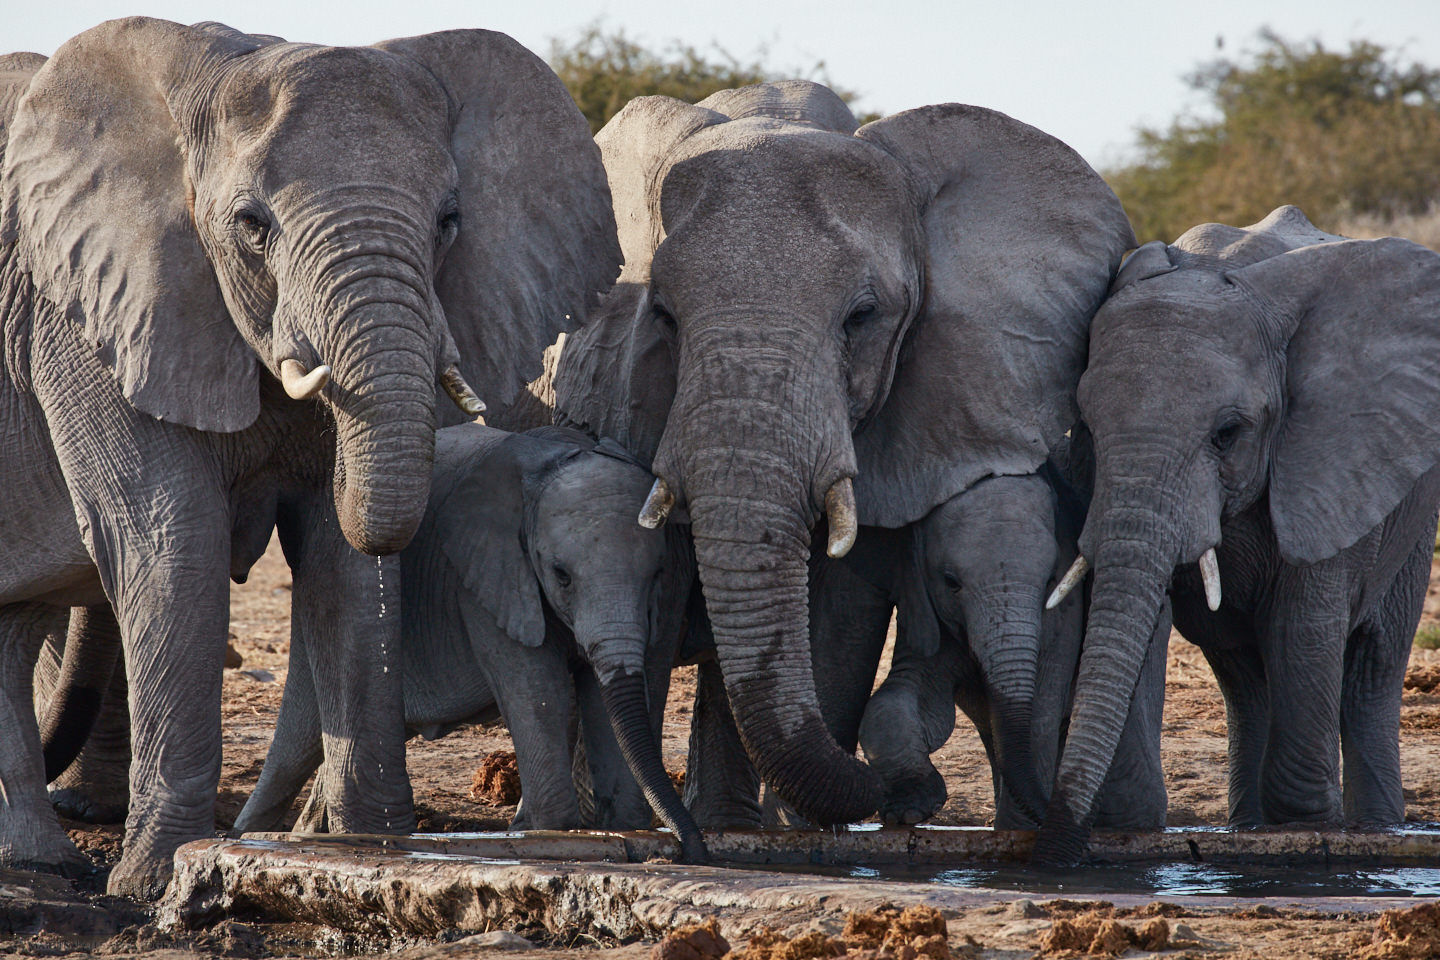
[[528, 588], [973, 633]]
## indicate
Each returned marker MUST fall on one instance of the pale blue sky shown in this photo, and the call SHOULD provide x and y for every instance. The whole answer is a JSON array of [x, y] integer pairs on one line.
[[1085, 72]]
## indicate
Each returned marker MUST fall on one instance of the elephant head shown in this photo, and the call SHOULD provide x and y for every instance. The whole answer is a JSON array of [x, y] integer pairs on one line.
[[559, 539], [216, 209], [1273, 363], [817, 320]]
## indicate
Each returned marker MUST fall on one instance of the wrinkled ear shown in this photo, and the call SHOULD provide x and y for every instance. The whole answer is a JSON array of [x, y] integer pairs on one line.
[[95, 191], [1022, 240], [616, 377], [917, 624], [537, 243], [637, 145], [1363, 380], [479, 520], [1149, 260]]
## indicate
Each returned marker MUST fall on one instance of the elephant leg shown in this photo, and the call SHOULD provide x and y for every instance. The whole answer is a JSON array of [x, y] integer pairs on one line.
[[94, 785], [1133, 795], [314, 816], [1241, 675], [296, 750], [1304, 651], [30, 833], [345, 613], [619, 802], [722, 788], [1375, 661], [536, 697], [907, 719]]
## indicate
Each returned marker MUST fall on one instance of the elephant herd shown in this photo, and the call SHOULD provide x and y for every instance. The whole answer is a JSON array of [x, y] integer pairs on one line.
[[834, 372]]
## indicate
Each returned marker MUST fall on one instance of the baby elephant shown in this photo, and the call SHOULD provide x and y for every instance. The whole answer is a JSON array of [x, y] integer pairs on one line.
[[530, 588], [973, 633]]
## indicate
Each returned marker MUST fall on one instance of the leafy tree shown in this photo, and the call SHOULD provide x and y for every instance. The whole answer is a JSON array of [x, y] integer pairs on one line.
[[1345, 136], [604, 70]]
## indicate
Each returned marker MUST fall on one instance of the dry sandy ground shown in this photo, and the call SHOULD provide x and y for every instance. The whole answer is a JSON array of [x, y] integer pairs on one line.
[[1194, 750]]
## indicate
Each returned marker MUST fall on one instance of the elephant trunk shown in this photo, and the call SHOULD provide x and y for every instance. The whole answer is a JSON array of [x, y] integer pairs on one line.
[[1133, 559], [625, 702], [1007, 645], [382, 392]]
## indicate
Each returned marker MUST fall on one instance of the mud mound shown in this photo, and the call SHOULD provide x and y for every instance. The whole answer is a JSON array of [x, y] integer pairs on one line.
[[884, 934], [1424, 678], [699, 942], [1412, 934], [498, 779], [1096, 934]]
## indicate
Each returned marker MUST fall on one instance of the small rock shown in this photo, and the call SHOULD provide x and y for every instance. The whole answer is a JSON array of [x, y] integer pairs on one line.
[[1183, 932], [497, 940], [1024, 910], [264, 676]]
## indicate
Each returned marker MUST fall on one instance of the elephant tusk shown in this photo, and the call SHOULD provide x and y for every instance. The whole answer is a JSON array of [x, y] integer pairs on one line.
[[459, 391], [1210, 573], [1072, 578], [657, 506], [300, 385], [840, 511]]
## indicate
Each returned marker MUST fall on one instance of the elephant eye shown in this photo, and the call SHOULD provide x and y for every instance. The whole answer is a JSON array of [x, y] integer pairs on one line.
[[254, 226], [664, 318], [862, 315], [447, 227], [951, 580], [1224, 437], [562, 576]]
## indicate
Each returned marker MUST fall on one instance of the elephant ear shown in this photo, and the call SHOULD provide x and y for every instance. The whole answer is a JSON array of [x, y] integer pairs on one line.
[[1362, 420], [1150, 260], [794, 101], [616, 377], [477, 512], [637, 145], [1022, 241], [95, 190], [537, 243]]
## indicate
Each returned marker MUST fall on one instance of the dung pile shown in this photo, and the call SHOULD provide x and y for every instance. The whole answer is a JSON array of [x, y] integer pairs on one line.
[[884, 934], [1412, 934], [1424, 678], [498, 779], [1096, 932]]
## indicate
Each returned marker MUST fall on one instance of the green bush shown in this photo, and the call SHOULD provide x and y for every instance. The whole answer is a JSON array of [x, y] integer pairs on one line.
[[1428, 636]]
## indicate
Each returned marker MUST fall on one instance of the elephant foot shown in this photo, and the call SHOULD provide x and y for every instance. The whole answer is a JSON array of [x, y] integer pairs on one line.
[[913, 799], [81, 805], [141, 876], [45, 848]]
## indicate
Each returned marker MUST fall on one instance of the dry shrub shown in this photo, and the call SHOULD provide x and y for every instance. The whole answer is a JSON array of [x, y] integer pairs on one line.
[[702, 941], [498, 779], [1412, 934], [1096, 934]]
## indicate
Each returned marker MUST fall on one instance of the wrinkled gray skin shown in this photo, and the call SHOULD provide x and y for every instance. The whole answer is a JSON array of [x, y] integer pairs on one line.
[[528, 586], [972, 588], [803, 303], [1274, 393], [248, 201]]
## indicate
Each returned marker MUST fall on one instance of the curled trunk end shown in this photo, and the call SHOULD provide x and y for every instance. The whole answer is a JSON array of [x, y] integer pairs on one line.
[[625, 702]]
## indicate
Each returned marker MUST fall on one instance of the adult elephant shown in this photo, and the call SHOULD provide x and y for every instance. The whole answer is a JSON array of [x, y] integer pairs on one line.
[[815, 320], [203, 231], [1266, 410]]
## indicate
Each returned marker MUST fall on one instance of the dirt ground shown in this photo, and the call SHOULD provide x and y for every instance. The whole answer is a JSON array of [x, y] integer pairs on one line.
[[1194, 756]]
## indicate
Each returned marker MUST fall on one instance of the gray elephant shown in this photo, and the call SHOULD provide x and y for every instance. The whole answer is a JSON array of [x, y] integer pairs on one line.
[[1265, 404], [226, 309], [971, 588], [819, 321], [528, 586]]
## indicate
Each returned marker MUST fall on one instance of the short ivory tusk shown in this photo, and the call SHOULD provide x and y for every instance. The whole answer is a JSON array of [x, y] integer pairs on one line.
[[1210, 573], [300, 385], [657, 506], [840, 512], [459, 391], [1072, 578]]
